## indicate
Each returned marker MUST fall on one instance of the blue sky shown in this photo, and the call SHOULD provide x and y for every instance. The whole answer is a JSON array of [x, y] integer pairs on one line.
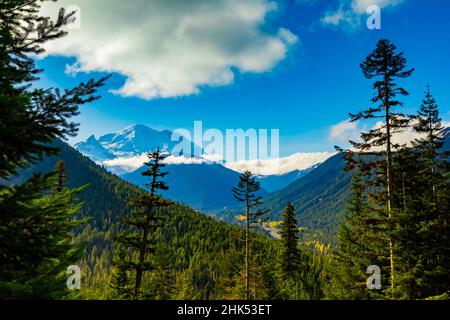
[[313, 87]]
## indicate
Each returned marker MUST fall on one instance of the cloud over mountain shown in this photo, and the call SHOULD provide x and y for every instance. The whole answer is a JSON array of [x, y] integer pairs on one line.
[[170, 48], [279, 166]]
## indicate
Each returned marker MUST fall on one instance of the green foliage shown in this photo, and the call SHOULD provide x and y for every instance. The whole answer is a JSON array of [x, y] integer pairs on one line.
[[147, 219], [290, 253], [120, 283], [399, 211], [61, 177], [320, 198], [32, 118], [422, 186], [37, 216], [246, 192], [36, 236]]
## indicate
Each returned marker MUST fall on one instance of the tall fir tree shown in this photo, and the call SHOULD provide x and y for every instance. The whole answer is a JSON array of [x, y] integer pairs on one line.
[[247, 192], [36, 222], [290, 254], [385, 65], [424, 231], [430, 126], [32, 118], [146, 218], [359, 242]]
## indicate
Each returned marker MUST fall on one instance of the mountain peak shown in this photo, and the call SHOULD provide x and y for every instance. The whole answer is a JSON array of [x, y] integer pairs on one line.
[[138, 128], [93, 149], [132, 141], [92, 139]]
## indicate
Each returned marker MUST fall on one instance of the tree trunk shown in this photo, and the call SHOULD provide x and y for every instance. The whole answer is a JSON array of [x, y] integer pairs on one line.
[[404, 191], [247, 251], [139, 269], [433, 167], [389, 180], [433, 172]]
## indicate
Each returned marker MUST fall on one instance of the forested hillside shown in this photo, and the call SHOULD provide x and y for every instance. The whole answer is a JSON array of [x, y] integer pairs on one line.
[[198, 249], [202, 256], [320, 198]]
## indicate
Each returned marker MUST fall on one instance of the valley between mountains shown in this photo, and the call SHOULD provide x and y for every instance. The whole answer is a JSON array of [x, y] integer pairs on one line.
[[318, 189]]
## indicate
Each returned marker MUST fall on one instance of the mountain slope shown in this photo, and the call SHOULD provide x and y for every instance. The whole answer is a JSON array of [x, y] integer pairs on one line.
[[446, 137], [94, 149], [195, 245], [105, 200], [320, 198], [201, 186], [278, 182]]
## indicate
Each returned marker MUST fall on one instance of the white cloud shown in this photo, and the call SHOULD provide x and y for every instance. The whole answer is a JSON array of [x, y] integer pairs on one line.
[[404, 137], [279, 166], [170, 48], [360, 6], [341, 17], [350, 12], [130, 164], [127, 164], [344, 131], [176, 160]]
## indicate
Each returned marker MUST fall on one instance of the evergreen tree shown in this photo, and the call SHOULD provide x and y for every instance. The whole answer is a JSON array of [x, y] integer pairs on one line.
[[120, 281], [246, 192], [35, 222], [61, 176], [37, 244], [385, 65], [422, 233], [430, 125], [290, 252], [146, 218], [32, 118], [398, 218], [358, 246], [163, 277], [290, 255]]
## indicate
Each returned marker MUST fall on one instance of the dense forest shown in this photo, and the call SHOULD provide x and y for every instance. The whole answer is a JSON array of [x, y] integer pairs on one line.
[[59, 209]]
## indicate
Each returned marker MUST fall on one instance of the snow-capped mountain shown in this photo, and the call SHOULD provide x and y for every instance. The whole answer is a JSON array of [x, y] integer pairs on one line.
[[94, 150], [132, 141], [136, 140], [124, 153]]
